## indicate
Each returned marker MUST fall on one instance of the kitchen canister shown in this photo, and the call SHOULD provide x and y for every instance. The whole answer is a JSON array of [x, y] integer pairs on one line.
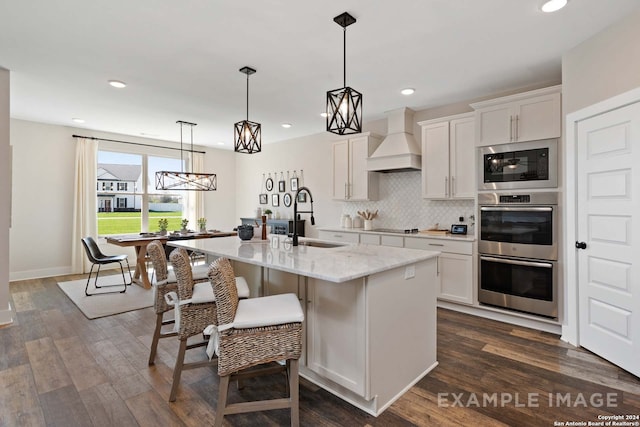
[[357, 222], [348, 223]]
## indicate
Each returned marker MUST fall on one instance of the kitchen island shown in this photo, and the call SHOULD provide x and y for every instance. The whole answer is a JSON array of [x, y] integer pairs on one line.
[[370, 311]]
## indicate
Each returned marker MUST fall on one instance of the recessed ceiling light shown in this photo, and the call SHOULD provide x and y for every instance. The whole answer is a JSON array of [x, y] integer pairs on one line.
[[286, 125], [323, 114], [553, 5], [117, 83], [149, 134], [407, 91], [220, 143], [77, 120]]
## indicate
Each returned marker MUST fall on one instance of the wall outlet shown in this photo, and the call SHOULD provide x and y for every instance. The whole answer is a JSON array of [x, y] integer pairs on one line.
[[409, 272], [461, 219]]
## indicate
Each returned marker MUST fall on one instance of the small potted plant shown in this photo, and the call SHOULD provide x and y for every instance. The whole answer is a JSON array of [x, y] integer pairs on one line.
[[163, 223], [202, 225], [267, 212], [184, 224]]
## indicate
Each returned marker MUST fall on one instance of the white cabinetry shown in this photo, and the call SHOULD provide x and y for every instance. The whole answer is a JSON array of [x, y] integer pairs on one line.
[[336, 331], [455, 267], [526, 116], [448, 157], [370, 238], [339, 236], [351, 180]]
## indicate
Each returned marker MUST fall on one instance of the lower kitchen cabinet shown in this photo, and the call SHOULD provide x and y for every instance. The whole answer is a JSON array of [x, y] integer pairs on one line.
[[455, 267], [335, 317], [339, 236]]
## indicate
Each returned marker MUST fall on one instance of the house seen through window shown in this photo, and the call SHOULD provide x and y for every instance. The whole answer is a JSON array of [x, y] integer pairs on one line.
[[127, 199]]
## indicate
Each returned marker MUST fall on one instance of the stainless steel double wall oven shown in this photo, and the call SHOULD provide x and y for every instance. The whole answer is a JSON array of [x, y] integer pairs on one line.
[[519, 251]]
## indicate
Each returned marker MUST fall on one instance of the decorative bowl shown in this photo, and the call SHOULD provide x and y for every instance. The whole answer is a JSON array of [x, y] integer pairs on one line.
[[245, 232]]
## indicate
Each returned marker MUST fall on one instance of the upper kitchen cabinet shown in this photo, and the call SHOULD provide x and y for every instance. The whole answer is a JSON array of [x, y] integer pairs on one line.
[[448, 157], [525, 116], [351, 180]]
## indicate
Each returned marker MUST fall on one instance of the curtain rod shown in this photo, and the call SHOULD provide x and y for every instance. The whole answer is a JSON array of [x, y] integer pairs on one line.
[[137, 143]]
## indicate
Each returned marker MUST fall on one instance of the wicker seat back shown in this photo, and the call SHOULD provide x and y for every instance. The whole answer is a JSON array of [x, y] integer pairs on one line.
[[223, 280], [182, 268], [160, 270]]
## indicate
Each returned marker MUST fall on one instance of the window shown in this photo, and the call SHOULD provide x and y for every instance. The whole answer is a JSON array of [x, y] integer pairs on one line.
[[122, 202], [138, 205]]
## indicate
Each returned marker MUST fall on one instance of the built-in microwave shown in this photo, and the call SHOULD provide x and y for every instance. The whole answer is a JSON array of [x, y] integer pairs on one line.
[[521, 165]]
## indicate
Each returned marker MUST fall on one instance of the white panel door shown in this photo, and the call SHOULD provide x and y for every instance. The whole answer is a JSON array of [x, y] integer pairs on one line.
[[608, 221]]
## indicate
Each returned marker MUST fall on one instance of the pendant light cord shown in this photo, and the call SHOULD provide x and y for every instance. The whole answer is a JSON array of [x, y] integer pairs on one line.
[[344, 57], [247, 96]]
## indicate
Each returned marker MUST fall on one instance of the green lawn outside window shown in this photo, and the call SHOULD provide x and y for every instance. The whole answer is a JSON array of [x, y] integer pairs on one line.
[[130, 222]]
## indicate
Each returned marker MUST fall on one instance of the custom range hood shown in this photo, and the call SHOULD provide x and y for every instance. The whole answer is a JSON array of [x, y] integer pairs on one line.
[[399, 151]]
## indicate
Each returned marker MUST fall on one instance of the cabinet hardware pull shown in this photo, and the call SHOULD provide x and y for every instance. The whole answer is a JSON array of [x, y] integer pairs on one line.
[[453, 186], [337, 235], [511, 128], [345, 191], [436, 244], [446, 186], [517, 127]]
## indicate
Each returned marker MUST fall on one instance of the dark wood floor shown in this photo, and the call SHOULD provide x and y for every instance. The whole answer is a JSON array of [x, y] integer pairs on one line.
[[58, 368]]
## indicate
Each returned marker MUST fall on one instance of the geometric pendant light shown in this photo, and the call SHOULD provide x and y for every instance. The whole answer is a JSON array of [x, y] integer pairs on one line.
[[192, 181], [247, 135], [344, 105]]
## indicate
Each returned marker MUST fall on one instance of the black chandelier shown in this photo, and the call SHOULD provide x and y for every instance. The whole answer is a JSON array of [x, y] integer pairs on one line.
[[247, 135], [344, 105], [171, 180]]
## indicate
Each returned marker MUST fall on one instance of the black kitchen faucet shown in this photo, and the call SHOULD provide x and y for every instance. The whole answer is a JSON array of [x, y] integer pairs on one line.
[[296, 212]]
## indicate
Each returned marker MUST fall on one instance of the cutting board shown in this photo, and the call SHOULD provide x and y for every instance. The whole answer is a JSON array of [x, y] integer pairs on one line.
[[434, 232]]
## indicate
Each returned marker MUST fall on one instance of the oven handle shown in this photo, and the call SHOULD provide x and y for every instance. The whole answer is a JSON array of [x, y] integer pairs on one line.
[[517, 262], [520, 208]]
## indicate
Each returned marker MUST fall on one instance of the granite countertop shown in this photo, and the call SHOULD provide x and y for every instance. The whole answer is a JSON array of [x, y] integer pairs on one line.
[[335, 264], [448, 236]]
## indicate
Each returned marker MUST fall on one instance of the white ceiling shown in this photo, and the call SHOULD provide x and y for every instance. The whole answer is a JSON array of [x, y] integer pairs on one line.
[[180, 59]]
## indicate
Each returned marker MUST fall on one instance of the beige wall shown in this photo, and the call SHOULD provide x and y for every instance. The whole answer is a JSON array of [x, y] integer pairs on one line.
[[603, 66], [5, 196]]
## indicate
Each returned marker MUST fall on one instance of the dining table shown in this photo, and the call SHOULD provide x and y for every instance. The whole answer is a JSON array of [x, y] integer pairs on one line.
[[141, 240]]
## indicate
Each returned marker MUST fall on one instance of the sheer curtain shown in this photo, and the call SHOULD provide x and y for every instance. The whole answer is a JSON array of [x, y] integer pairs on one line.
[[195, 199], [85, 201]]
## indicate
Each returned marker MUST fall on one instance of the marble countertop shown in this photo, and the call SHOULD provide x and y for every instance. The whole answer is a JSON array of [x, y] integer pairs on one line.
[[464, 238], [335, 264]]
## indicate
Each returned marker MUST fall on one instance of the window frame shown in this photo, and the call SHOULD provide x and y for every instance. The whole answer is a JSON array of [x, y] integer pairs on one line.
[[145, 152]]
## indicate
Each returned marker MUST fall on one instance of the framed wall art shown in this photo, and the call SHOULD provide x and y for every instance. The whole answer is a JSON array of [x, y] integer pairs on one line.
[[264, 199], [275, 200], [286, 199]]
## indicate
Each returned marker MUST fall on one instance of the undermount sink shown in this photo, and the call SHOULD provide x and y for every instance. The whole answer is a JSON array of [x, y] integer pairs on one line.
[[320, 244]]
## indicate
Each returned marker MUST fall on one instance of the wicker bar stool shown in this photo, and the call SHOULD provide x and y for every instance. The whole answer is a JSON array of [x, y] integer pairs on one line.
[[195, 309], [254, 332], [164, 281]]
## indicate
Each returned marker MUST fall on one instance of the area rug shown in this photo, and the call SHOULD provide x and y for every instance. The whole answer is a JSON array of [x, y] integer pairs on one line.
[[96, 306]]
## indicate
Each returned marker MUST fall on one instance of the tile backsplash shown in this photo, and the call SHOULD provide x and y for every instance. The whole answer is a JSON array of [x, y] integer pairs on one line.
[[400, 205]]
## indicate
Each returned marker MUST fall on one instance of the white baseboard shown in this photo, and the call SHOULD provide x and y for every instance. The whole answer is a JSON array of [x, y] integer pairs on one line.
[[36, 274], [6, 316]]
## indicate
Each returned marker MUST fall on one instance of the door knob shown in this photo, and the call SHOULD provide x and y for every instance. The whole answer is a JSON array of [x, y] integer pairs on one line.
[[581, 245]]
